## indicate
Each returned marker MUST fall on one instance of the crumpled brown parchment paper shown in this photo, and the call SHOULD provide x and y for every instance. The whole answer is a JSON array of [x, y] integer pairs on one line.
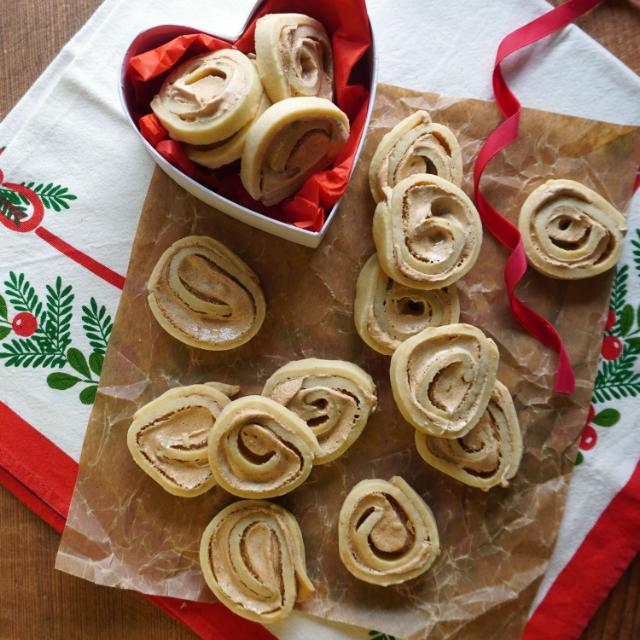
[[124, 530]]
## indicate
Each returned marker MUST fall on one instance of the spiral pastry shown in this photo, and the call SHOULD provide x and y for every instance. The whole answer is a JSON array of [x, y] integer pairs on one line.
[[209, 97], [387, 313], [168, 437], [294, 56], [252, 558], [387, 533], [489, 455], [333, 397], [415, 145], [260, 449], [569, 231], [442, 379], [226, 151], [291, 140], [204, 295], [428, 234]]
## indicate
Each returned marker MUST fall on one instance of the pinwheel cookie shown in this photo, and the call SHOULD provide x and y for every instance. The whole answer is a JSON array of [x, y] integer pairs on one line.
[[168, 436], [442, 379], [260, 449], [570, 231], [204, 295], [387, 533], [209, 97], [488, 455], [428, 233], [333, 397], [226, 151], [414, 145], [294, 56], [252, 558], [387, 313], [291, 140]]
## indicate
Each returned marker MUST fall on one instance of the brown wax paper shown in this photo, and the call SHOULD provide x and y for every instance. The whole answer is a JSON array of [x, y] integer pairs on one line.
[[124, 530]]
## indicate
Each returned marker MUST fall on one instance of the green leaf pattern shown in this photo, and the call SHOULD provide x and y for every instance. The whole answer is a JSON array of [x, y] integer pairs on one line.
[[46, 347], [607, 417], [50, 345], [53, 196], [619, 378], [12, 204], [97, 325]]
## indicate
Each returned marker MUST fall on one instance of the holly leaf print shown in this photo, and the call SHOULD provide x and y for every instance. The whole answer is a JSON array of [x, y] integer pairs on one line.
[[27, 352], [618, 297], [77, 361], [96, 360], [23, 297], [61, 381], [47, 346], [12, 205], [619, 289], [616, 379], [53, 196], [626, 319], [88, 394], [97, 325], [43, 334], [607, 418], [635, 243], [59, 312]]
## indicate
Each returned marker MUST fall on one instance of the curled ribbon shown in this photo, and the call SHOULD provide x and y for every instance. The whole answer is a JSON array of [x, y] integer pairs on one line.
[[500, 138]]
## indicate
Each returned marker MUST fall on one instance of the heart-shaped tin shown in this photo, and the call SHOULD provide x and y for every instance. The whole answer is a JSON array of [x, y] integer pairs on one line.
[[160, 35]]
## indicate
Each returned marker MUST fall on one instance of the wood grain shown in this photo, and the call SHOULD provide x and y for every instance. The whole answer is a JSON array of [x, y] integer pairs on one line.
[[38, 602]]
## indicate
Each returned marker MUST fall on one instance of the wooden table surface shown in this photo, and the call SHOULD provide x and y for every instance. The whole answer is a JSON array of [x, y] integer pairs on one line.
[[40, 603]]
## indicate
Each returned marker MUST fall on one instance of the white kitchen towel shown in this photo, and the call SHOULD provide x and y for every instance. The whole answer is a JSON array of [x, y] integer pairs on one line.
[[69, 140]]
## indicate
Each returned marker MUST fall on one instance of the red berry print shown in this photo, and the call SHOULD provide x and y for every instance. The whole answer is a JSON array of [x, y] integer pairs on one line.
[[589, 438], [611, 320], [611, 347], [24, 324], [591, 414]]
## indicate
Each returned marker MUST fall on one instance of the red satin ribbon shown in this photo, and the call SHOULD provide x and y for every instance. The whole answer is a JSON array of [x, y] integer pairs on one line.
[[499, 139]]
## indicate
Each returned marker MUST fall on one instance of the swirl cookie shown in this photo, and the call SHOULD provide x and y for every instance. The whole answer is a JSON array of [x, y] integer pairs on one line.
[[428, 233], [209, 97], [569, 231], [168, 437], [387, 533], [226, 151], [442, 379], [204, 295], [291, 140], [252, 558], [333, 397], [260, 449], [415, 145], [488, 455], [387, 313], [294, 56]]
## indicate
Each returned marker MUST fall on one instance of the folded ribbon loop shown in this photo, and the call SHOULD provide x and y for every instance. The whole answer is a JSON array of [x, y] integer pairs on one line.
[[505, 232]]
